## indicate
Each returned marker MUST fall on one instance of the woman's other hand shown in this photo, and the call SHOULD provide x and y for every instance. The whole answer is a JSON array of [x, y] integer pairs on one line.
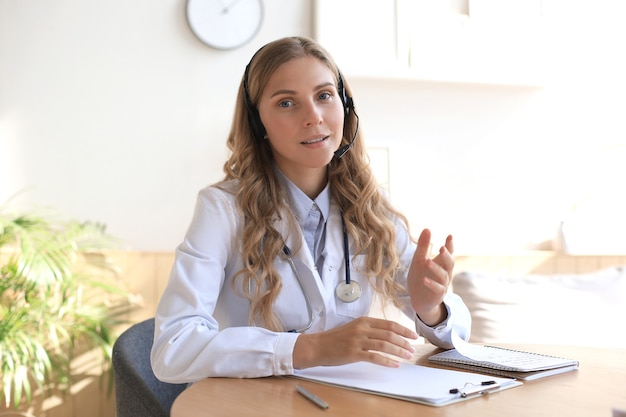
[[429, 279], [365, 339]]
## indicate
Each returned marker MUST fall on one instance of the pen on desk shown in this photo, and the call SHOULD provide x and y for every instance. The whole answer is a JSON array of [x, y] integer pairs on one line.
[[472, 389], [312, 397]]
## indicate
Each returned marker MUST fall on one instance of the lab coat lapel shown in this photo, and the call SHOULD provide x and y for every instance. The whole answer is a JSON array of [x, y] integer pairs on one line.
[[295, 239], [315, 280], [303, 261], [332, 253]]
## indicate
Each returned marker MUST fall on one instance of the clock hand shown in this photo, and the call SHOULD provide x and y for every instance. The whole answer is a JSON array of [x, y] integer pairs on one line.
[[230, 6]]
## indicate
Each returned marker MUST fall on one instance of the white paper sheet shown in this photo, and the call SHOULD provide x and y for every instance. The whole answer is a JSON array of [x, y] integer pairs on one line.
[[468, 350], [408, 382]]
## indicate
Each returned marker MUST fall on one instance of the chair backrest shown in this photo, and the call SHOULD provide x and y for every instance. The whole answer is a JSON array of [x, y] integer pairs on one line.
[[138, 393]]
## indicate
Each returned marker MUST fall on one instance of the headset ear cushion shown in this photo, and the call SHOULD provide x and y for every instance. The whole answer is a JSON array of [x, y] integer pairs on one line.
[[256, 126], [346, 100], [348, 105], [254, 119]]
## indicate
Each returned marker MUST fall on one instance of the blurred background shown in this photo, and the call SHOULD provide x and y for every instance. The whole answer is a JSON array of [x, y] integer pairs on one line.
[[496, 123]]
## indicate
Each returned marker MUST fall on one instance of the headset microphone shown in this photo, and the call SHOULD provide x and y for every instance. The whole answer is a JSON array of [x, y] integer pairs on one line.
[[348, 105], [339, 153]]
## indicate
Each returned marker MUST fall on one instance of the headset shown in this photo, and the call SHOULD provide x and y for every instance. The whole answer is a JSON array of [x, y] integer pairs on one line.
[[254, 119], [258, 130]]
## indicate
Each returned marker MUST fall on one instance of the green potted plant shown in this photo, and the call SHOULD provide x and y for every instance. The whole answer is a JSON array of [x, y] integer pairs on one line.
[[58, 295]]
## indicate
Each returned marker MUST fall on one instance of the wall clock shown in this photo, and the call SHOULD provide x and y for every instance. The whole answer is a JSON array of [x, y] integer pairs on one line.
[[225, 24]]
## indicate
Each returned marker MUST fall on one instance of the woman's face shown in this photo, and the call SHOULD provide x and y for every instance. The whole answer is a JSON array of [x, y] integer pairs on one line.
[[303, 116]]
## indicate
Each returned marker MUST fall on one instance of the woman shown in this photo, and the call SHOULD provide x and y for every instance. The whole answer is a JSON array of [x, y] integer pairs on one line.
[[260, 286]]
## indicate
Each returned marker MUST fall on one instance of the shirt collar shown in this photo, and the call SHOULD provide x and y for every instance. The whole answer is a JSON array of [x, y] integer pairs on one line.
[[300, 203]]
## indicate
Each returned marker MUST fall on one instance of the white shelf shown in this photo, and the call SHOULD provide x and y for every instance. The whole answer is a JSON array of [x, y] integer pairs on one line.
[[412, 75], [417, 40]]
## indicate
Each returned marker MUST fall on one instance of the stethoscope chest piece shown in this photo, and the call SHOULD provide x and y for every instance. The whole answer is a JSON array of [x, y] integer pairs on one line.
[[348, 291]]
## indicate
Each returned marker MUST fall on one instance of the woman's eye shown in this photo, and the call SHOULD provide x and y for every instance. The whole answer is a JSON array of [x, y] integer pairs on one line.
[[325, 96], [285, 103]]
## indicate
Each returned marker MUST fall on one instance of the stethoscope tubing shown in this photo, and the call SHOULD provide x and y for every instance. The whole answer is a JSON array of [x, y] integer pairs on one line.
[[347, 291], [287, 253]]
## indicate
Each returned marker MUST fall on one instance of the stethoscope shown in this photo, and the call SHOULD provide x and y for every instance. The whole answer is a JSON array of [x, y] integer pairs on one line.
[[347, 291]]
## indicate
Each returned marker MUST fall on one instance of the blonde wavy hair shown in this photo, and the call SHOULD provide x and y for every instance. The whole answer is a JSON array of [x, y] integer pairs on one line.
[[368, 215]]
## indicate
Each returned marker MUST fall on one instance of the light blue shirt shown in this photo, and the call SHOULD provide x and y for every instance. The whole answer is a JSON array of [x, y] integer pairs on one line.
[[310, 214]]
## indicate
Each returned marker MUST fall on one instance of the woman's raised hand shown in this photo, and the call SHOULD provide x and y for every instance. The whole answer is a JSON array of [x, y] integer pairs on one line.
[[429, 279]]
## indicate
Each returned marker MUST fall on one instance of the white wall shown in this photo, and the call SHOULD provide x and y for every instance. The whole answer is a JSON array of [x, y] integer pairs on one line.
[[113, 111]]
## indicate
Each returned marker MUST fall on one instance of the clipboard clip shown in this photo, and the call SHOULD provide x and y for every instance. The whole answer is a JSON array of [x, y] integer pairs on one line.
[[474, 389]]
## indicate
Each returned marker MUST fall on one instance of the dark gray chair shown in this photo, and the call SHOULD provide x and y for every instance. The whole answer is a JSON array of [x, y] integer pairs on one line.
[[137, 391]]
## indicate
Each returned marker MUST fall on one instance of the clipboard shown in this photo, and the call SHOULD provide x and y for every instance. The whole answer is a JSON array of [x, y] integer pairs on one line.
[[420, 384]]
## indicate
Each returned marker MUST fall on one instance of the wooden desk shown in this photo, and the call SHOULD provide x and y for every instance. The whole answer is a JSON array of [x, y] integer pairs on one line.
[[593, 390]]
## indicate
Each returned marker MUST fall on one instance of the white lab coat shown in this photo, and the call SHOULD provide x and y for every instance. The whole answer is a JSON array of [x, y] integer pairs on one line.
[[202, 325]]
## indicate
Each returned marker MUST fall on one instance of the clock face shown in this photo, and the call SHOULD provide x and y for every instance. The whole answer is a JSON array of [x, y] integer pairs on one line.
[[225, 24]]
